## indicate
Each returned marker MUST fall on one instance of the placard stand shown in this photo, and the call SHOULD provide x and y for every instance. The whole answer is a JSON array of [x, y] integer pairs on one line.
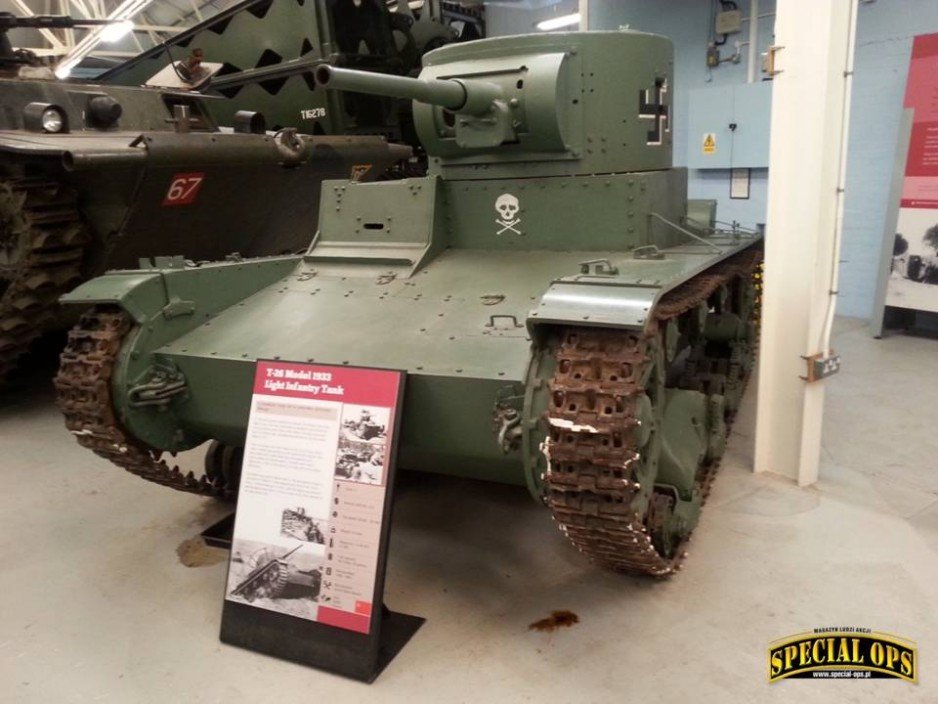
[[907, 290], [312, 526], [355, 655], [218, 535], [883, 315]]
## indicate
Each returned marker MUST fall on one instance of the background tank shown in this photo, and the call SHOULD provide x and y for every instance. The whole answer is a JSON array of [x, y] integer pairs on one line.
[[93, 177], [268, 47], [569, 321]]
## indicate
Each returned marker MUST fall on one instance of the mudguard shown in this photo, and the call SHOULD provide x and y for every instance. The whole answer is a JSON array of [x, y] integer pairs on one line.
[[138, 293], [620, 292], [172, 291]]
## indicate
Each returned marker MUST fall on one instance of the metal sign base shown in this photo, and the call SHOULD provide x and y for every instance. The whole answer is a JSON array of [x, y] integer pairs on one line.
[[340, 652], [357, 656], [218, 535]]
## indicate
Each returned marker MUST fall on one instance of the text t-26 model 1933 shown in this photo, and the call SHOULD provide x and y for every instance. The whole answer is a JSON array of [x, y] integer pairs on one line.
[[569, 322]]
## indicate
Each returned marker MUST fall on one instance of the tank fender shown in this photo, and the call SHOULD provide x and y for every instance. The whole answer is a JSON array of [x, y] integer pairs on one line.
[[582, 302], [620, 292], [139, 293], [182, 295]]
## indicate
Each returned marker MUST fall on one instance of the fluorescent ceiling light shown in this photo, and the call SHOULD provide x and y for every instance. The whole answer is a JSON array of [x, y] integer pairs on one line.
[[558, 22], [123, 12], [116, 31], [64, 68]]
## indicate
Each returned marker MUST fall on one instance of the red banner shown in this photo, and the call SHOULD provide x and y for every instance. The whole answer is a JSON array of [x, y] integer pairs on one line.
[[326, 383], [920, 188]]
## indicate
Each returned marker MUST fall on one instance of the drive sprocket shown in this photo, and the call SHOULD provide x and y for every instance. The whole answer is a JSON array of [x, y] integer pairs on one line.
[[83, 387]]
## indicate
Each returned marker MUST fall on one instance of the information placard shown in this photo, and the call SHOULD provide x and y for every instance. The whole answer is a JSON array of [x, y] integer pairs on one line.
[[306, 573], [913, 271]]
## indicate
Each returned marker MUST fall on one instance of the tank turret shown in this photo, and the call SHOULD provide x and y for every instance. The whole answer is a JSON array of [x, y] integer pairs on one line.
[[479, 99], [561, 104]]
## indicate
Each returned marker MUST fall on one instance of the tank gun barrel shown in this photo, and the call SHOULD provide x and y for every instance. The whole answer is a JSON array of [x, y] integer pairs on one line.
[[11, 21], [473, 97]]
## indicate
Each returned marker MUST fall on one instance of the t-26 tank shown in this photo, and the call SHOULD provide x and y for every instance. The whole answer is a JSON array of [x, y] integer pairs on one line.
[[569, 321]]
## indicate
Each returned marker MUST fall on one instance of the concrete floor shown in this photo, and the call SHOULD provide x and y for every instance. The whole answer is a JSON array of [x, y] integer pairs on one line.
[[96, 606]]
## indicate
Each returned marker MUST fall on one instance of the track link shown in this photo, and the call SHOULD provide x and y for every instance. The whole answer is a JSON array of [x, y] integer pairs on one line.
[[42, 242], [83, 387], [593, 447]]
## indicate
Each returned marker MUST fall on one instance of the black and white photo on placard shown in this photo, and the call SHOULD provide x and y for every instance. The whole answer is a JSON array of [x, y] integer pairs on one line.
[[281, 578], [913, 280]]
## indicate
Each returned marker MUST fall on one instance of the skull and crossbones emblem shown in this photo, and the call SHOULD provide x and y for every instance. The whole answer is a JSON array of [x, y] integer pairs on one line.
[[507, 206]]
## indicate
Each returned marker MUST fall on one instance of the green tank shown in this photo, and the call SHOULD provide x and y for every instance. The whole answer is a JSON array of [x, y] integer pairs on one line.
[[95, 177], [569, 321]]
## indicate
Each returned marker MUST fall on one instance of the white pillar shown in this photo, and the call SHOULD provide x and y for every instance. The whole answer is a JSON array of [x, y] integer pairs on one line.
[[810, 95], [583, 7]]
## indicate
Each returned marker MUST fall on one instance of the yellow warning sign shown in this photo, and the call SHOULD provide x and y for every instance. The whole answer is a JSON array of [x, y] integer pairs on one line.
[[709, 143]]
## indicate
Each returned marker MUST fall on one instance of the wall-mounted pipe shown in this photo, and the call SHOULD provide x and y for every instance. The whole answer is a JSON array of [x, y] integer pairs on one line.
[[753, 40], [825, 342]]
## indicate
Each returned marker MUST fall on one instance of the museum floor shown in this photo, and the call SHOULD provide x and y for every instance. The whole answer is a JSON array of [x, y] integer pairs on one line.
[[98, 607]]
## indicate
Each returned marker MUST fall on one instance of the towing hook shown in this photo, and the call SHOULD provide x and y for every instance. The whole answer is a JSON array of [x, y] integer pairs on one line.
[[509, 432], [291, 148], [159, 387]]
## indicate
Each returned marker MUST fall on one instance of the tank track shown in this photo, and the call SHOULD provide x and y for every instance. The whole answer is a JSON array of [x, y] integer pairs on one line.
[[42, 242], [596, 391], [83, 387]]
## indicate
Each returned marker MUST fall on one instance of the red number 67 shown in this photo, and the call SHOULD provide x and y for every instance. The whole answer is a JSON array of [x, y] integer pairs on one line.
[[183, 188]]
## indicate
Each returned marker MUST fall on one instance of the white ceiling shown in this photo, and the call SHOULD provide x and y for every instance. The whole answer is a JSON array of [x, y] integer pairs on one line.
[[159, 20]]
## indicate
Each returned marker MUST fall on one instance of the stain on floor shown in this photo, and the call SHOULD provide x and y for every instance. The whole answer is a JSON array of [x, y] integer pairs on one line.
[[195, 553], [557, 619]]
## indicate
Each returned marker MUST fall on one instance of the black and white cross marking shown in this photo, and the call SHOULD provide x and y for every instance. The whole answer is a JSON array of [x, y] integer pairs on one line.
[[651, 106]]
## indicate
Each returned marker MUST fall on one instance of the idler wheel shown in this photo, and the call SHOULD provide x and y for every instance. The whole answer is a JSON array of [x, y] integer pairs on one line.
[[223, 464]]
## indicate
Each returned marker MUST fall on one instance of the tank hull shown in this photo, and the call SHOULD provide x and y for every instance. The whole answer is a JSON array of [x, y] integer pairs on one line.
[[466, 329]]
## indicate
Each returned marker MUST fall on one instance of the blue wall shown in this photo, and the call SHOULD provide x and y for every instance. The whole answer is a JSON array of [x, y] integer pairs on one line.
[[687, 23], [884, 40]]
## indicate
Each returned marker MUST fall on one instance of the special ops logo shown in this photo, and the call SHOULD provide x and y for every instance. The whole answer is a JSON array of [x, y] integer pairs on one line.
[[843, 653]]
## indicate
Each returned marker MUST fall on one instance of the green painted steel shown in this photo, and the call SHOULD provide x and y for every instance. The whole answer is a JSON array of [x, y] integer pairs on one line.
[[551, 202]]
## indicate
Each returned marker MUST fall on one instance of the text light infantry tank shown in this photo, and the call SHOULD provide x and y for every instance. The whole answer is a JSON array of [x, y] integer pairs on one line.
[[565, 324], [93, 177]]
